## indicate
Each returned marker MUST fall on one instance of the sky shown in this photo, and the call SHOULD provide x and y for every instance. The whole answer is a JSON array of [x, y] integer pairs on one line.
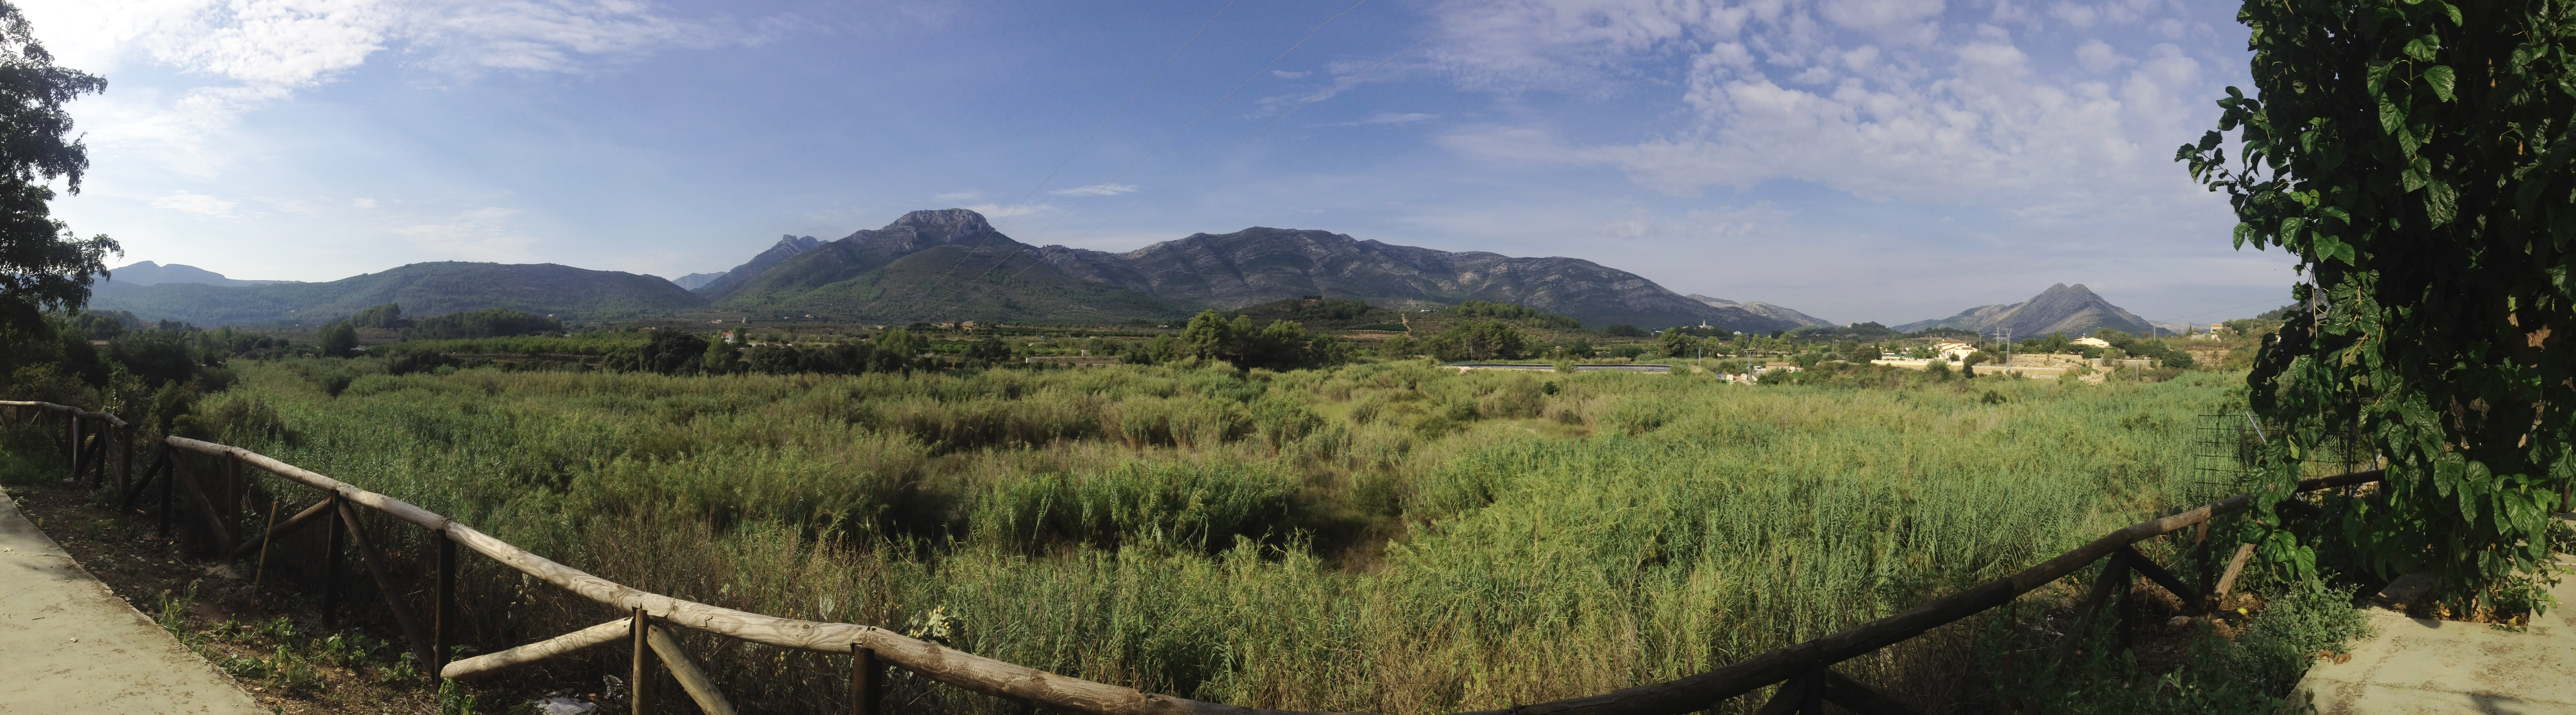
[[1859, 160]]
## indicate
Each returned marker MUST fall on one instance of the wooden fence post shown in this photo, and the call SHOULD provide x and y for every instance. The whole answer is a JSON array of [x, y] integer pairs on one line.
[[233, 495], [331, 566], [636, 683], [75, 451], [866, 680], [170, 469], [446, 618]]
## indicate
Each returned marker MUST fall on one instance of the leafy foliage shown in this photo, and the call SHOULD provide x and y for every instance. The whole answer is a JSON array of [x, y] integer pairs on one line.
[[485, 323], [43, 266], [2414, 156], [385, 316], [1478, 340], [1281, 345], [1510, 311]]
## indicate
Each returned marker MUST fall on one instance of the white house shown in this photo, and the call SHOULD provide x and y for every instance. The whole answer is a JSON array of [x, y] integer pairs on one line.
[[1953, 350], [2092, 342]]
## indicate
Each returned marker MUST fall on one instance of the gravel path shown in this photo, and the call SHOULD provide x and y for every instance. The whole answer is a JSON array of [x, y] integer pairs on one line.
[[67, 645]]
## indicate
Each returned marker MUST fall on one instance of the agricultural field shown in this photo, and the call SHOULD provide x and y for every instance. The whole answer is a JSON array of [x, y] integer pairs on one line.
[[1385, 536]]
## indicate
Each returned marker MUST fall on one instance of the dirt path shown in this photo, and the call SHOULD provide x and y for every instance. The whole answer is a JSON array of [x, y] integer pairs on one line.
[[72, 647], [2426, 667]]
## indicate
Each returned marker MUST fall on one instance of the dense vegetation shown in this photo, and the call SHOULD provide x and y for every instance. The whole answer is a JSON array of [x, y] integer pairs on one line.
[[1427, 539], [2413, 157]]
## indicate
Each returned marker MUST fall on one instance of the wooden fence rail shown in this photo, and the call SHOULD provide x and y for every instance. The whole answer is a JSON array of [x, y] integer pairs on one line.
[[1803, 670]]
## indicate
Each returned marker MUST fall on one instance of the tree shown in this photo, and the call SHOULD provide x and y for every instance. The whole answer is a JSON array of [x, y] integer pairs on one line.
[[43, 265], [723, 358], [1968, 367], [383, 316], [1675, 343], [896, 347], [339, 339], [1623, 330], [1477, 340], [2414, 157], [1209, 335]]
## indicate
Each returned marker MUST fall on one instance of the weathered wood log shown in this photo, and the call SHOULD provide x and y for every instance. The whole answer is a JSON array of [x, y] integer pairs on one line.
[[206, 511], [866, 678], [261, 571], [300, 520], [331, 565], [1852, 695], [160, 460], [2227, 580], [490, 663], [639, 682], [2113, 581], [2145, 567], [385, 585], [1790, 698], [75, 449], [445, 626], [692, 678]]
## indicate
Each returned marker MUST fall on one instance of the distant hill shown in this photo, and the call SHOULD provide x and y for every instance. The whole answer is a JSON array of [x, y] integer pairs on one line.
[[694, 280], [1766, 310], [726, 283], [423, 289], [2074, 310], [147, 273], [928, 265], [1257, 265]]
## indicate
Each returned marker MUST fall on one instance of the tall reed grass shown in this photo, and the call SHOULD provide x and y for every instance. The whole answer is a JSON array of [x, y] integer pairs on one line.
[[1383, 537]]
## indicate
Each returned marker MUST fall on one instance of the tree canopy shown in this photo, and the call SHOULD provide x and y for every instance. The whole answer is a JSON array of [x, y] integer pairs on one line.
[[43, 266], [2414, 156]]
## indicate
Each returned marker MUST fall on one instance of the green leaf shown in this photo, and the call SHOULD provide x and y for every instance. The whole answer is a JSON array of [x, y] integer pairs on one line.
[[2392, 118], [2376, 77], [2441, 202], [2422, 48], [2454, 12], [2440, 78]]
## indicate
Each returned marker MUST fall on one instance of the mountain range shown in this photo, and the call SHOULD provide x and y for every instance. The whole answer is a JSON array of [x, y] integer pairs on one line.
[[146, 273], [423, 289], [952, 264], [1766, 310], [2074, 310]]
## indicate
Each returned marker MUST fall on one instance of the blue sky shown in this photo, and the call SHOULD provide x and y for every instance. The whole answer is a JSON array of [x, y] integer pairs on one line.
[[1887, 160]]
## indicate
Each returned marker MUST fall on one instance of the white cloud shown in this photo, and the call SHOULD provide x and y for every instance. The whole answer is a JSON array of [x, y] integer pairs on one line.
[[998, 211], [1722, 222], [199, 205], [364, 203], [1284, 74], [249, 53], [1390, 118], [1096, 190], [2097, 57], [1870, 97], [483, 234]]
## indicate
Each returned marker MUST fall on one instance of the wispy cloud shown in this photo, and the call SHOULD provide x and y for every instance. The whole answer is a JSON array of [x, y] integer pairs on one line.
[[998, 211], [1390, 118], [1284, 74], [249, 53], [199, 205], [1096, 190], [957, 196], [483, 234], [364, 203]]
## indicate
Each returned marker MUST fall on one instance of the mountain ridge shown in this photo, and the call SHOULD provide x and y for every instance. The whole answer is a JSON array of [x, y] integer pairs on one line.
[[1766, 310], [2074, 310], [423, 289]]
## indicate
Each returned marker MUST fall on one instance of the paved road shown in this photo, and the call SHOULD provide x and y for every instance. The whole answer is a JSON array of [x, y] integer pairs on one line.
[[2420, 667], [69, 646]]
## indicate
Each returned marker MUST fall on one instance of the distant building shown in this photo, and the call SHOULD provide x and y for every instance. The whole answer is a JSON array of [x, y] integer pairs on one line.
[[2092, 342], [969, 325], [1953, 350]]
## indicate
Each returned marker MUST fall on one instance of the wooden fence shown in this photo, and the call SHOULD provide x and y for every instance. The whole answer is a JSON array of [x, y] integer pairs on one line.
[[1803, 670]]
